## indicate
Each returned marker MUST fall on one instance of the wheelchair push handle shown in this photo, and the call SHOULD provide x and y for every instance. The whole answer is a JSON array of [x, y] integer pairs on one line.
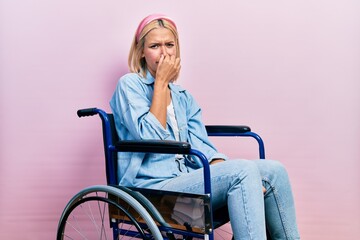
[[87, 112]]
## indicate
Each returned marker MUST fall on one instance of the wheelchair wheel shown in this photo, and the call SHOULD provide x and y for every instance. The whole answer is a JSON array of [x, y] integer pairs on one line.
[[105, 212]]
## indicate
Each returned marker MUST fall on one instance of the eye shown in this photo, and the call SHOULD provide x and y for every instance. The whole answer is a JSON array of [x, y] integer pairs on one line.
[[154, 46], [170, 45]]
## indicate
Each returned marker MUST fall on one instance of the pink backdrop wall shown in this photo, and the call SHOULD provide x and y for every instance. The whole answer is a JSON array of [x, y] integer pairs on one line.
[[290, 69]]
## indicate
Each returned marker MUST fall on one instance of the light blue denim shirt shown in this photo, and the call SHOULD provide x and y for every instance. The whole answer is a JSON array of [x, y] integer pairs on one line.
[[130, 105]]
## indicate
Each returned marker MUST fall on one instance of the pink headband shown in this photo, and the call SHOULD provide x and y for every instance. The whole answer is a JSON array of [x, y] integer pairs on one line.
[[149, 19]]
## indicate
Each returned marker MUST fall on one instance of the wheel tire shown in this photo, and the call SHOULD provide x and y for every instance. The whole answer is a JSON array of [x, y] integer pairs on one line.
[[87, 216]]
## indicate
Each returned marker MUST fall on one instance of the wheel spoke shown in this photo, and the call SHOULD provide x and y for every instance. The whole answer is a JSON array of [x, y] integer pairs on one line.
[[82, 221]]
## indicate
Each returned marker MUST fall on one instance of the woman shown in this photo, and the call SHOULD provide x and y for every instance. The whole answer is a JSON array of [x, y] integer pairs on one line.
[[148, 105]]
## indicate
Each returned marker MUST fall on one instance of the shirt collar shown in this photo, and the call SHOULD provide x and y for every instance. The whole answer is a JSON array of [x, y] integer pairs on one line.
[[149, 79]]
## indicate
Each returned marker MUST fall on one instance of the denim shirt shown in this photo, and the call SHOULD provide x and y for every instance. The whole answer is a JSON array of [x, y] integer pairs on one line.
[[130, 105]]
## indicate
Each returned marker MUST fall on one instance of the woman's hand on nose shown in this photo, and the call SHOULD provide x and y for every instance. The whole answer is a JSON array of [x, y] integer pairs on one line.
[[168, 68]]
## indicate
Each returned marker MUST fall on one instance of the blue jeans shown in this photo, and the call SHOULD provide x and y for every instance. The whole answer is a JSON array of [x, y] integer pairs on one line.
[[239, 183]]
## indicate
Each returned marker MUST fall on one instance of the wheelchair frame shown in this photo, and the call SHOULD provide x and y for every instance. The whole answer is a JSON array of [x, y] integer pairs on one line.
[[134, 197]]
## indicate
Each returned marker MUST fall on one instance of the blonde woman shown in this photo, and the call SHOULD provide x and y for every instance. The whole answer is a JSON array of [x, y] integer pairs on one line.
[[148, 105]]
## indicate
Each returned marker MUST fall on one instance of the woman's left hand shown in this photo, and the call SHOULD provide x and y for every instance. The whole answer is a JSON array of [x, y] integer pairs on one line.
[[216, 160]]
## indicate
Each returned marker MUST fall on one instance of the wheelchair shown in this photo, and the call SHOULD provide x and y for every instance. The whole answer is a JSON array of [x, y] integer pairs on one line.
[[118, 212]]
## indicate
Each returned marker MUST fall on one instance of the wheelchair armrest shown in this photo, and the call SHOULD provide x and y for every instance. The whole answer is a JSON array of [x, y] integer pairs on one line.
[[226, 130], [153, 146]]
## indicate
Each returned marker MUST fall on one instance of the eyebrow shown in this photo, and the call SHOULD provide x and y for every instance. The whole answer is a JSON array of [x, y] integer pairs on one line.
[[158, 42]]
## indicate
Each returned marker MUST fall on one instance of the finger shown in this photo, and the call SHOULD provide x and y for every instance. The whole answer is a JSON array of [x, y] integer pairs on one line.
[[174, 58], [161, 60], [166, 56], [160, 63], [177, 62]]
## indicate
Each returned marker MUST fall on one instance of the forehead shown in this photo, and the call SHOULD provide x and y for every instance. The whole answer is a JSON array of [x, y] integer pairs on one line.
[[160, 34]]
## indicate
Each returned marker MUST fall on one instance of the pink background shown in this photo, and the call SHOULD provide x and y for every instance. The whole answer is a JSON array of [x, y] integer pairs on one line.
[[290, 69]]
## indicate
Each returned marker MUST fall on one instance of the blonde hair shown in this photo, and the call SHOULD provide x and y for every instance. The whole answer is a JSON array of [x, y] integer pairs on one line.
[[137, 63]]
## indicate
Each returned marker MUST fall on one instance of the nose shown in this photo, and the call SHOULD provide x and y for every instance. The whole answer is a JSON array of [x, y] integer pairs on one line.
[[164, 50]]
